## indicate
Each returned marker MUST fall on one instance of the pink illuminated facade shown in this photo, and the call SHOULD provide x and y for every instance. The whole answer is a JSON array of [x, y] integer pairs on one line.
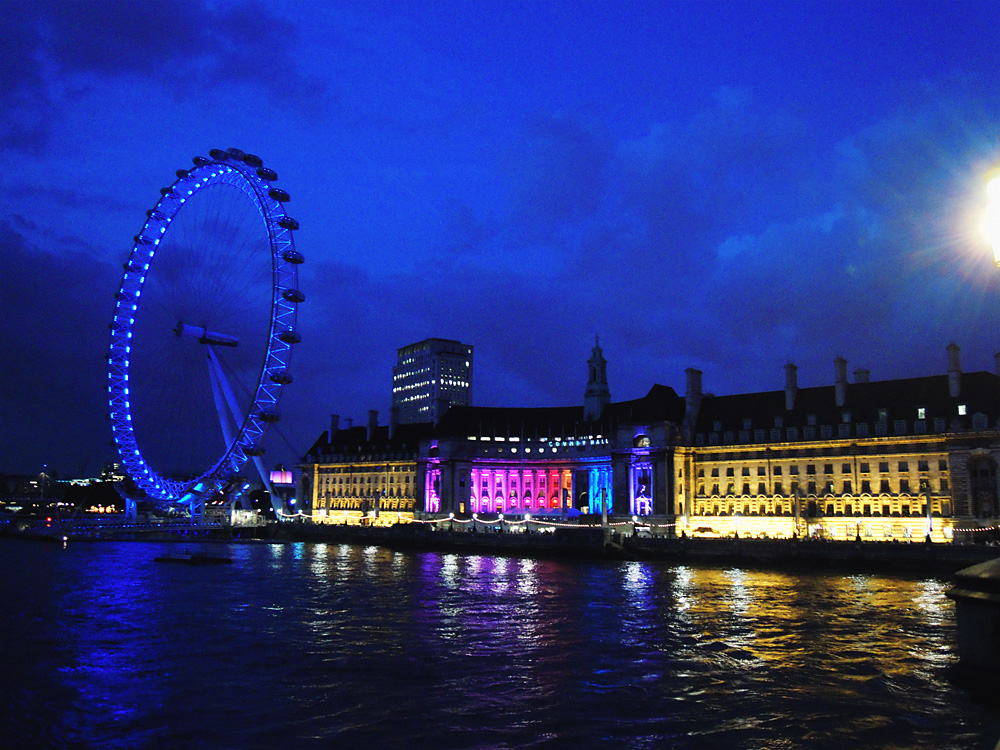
[[553, 460]]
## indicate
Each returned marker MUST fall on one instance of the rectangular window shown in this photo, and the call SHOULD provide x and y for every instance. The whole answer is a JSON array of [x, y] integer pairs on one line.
[[922, 466], [845, 468], [715, 471], [904, 485], [745, 471], [777, 471], [793, 470], [778, 488], [848, 509], [886, 510], [884, 486], [904, 465], [829, 509], [942, 465], [810, 468], [730, 471], [746, 488], [847, 487], [867, 510], [921, 412], [944, 485], [761, 471], [845, 417], [761, 489], [812, 488], [883, 466], [866, 486]]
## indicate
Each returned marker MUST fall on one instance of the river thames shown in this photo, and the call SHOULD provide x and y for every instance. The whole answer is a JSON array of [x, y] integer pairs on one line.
[[324, 645]]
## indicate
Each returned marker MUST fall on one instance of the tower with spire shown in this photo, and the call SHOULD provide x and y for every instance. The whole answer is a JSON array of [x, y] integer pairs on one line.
[[597, 396]]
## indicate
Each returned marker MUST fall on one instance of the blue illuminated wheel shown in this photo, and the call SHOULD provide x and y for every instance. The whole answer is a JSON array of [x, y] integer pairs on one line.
[[203, 328]]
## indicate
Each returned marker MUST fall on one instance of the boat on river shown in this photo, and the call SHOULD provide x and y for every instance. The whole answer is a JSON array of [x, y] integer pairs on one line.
[[194, 558]]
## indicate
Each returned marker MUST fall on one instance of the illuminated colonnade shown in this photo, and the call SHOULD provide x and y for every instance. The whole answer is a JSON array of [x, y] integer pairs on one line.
[[501, 489]]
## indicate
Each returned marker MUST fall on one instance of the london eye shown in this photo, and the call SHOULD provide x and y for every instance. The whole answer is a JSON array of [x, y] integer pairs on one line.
[[202, 335]]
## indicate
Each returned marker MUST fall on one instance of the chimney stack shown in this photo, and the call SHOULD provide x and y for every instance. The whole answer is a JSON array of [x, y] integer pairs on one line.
[[334, 425], [350, 422], [954, 371], [393, 419], [861, 375], [840, 382], [692, 397], [791, 385], [372, 423]]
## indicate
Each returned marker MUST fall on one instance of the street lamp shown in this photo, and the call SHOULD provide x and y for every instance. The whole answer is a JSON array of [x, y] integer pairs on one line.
[[991, 221]]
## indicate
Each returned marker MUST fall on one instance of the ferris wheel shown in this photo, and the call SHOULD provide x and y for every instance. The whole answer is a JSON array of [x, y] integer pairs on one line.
[[203, 331]]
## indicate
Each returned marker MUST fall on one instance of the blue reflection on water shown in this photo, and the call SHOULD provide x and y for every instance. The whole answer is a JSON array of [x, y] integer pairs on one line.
[[327, 645]]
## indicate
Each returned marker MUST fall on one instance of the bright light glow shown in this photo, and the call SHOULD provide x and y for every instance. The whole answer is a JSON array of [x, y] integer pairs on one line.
[[991, 221]]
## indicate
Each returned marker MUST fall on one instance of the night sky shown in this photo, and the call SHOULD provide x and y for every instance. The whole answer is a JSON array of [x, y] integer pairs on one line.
[[724, 185]]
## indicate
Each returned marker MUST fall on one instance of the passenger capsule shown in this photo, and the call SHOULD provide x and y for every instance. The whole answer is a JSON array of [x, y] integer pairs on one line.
[[278, 194], [235, 153], [270, 417], [252, 161], [293, 256], [290, 336], [254, 450], [200, 161], [181, 173], [288, 223], [140, 240], [293, 295], [281, 377], [266, 173], [218, 154], [166, 190]]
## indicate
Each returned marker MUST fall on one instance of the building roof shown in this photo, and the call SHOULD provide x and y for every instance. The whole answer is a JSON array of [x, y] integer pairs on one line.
[[864, 402], [660, 404], [354, 440]]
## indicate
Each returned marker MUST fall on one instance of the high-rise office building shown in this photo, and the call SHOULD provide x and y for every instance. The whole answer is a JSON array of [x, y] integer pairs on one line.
[[430, 376]]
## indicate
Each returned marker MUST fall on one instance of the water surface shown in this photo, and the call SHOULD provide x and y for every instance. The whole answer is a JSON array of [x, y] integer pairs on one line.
[[317, 645]]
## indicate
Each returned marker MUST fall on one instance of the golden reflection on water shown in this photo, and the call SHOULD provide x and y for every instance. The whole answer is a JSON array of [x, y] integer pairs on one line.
[[860, 624]]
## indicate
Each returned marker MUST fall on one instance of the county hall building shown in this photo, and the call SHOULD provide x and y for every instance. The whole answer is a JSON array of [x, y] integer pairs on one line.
[[890, 460]]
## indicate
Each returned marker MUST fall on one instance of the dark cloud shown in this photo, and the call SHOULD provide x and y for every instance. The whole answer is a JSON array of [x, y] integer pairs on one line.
[[55, 48], [53, 345], [558, 173]]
